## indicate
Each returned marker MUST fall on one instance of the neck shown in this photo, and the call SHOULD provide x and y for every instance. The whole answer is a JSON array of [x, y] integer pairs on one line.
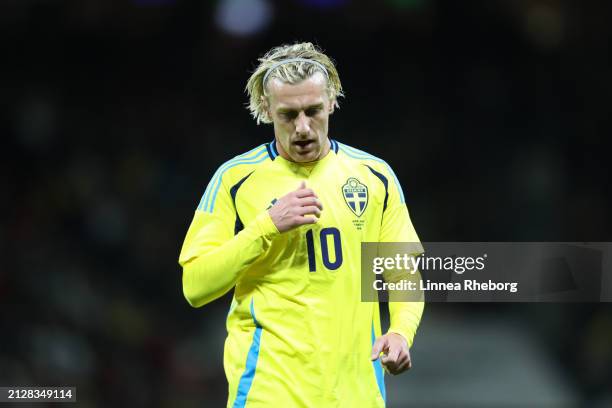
[[324, 151]]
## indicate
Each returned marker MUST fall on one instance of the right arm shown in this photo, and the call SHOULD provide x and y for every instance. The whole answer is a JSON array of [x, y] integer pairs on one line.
[[213, 258]]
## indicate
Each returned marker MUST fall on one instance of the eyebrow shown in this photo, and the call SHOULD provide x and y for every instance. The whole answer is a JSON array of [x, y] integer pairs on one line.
[[287, 109]]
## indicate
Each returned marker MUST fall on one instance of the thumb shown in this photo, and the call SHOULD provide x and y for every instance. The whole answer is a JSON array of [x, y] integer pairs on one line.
[[378, 347], [302, 185]]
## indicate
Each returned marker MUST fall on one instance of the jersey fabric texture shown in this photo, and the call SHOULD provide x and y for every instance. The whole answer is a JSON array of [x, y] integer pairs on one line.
[[298, 333]]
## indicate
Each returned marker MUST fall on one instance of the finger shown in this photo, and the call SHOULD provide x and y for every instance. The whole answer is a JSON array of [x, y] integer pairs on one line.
[[302, 185], [406, 365], [304, 192], [378, 347], [310, 209], [391, 358], [387, 362], [394, 371], [390, 368], [310, 201], [306, 219], [402, 359], [401, 368], [395, 366], [394, 353]]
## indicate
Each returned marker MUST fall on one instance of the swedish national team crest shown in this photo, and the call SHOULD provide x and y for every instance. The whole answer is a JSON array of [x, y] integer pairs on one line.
[[356, 195]]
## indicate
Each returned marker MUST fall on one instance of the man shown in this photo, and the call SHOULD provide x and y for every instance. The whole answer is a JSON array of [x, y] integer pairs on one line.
[[283, 224]]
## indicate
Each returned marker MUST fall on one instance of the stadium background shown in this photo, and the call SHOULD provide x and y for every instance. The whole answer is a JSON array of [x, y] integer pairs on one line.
[[115, 114]]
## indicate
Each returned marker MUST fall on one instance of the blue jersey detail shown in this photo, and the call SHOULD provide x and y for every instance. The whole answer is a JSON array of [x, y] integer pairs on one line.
[[239, 226], [359, 154], [334, 145], [385, 183], [204, 201], [273, 149], [208, 200], [378, 371], [244, 386], [335, 233]]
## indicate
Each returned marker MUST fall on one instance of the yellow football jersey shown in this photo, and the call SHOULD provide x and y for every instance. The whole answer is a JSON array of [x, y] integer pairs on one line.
[[298, 333]]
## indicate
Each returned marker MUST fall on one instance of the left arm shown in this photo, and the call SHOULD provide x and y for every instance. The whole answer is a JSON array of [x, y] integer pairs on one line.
[[404, 315]]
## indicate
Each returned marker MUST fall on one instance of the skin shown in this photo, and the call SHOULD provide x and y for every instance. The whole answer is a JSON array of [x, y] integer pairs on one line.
[[300, 114], [395, 353], [299, 207]]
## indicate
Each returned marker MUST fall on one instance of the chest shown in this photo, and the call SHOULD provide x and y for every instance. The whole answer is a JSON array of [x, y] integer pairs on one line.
[[325, 255], [352, 198]]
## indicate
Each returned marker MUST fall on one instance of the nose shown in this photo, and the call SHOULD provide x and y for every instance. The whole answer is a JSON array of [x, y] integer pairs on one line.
[[302, 124]]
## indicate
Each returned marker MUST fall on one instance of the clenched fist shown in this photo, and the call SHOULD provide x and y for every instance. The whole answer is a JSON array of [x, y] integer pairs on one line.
[[299, 207], [396, 355]]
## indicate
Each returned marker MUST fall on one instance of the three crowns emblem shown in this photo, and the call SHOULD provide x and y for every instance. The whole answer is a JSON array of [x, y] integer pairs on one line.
[[355, 195]]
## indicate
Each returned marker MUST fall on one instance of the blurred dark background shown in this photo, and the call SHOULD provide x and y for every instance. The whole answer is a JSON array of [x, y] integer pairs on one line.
[[495, 114]]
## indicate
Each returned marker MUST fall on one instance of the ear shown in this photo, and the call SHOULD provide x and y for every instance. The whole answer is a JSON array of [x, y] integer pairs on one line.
[[332, 105], [265, 104]]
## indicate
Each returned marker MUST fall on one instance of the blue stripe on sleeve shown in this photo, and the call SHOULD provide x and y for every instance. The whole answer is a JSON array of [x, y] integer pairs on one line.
[[378, 370], [244, 386], [209, 203], [219, 174], [206, 197], [251, 161]]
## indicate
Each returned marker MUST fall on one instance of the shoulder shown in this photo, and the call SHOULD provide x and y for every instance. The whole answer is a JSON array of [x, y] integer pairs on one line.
[[232, 172], [352, 153], [377, 166], [239, 166], [363, 158]]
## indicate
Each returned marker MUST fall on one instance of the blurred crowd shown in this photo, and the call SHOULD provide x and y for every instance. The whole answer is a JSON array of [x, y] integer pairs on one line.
[[114, 116]]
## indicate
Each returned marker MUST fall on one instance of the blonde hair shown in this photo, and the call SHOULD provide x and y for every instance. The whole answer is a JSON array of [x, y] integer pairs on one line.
[[291, 72]]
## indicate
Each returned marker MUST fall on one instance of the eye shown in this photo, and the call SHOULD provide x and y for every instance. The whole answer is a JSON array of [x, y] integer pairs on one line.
[[313, 111], [287, 115]]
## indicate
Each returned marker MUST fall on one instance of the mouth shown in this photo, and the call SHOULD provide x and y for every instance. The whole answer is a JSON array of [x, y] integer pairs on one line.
[[304, 144]]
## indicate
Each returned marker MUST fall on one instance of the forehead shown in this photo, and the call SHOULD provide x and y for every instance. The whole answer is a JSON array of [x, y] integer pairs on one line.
[[307, 92]]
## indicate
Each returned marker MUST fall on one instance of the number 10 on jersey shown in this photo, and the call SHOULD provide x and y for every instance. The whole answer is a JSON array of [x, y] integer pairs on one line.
[[325, 250]]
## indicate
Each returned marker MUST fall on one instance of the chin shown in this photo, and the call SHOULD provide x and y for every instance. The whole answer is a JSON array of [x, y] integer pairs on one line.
[[305, 158]]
